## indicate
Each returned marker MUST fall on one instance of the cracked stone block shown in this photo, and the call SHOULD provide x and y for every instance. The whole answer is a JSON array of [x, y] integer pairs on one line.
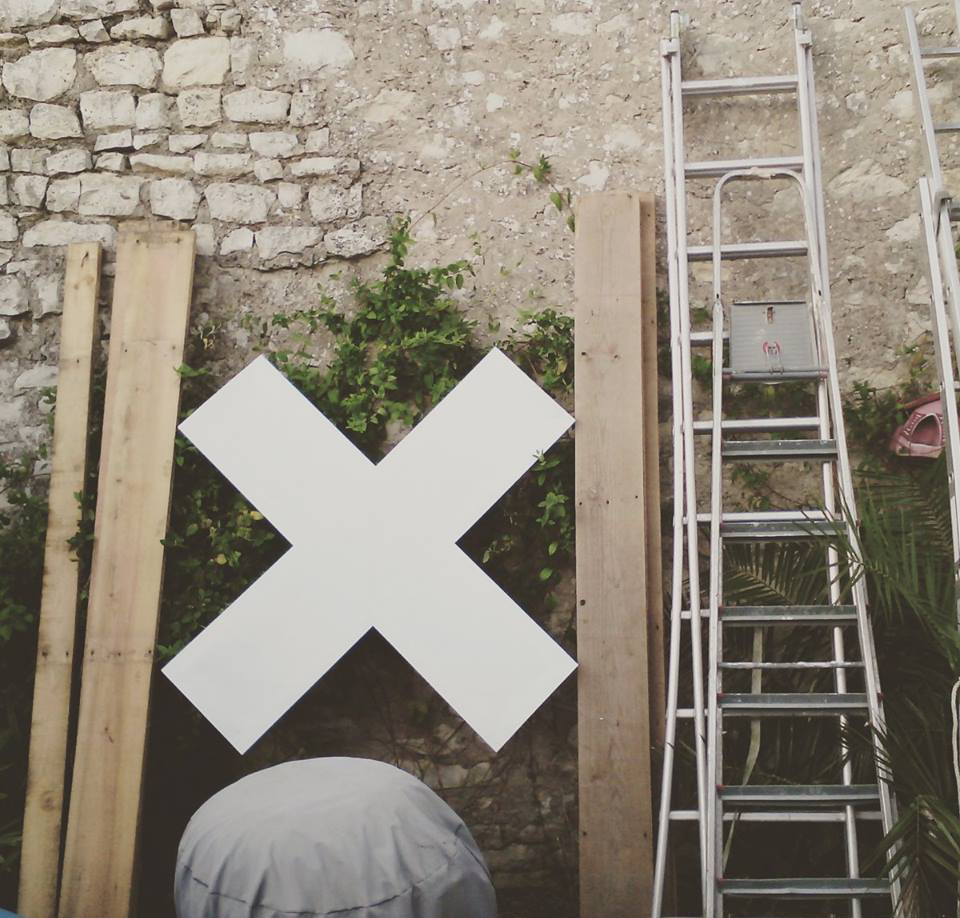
[[111, 162], [41, 377], [109, 195], [95, 9], [41, 75], [257, 106], [76, 159], [227, 141], [47, 293], [8, 228], [199, 107], [175, 198], [64, 232], [117, 140], [107, 108], [13, 297], [52, 36], [330, 202], [268, 170], [238, 240], [141, 27], [63, 194], [31, 159], [186, 23], [226, 164], [361, 238], [16, 14], [326, 165], [291, 240], [29, 190], [274, 144], [196, 62], [94, 32], [158, 162], [54, 122], [289, 195], [14, 124], [153, 111], [124, 65], [236, 203], [182, 143]]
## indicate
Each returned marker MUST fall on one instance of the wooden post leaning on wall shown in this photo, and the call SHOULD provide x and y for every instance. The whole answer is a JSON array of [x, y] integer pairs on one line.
[[151, 303], [56, 638], [613, 449], [651, 472]]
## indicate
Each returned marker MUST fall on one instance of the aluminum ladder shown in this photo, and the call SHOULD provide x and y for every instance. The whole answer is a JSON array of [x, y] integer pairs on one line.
[[938, 211], [720, 804]]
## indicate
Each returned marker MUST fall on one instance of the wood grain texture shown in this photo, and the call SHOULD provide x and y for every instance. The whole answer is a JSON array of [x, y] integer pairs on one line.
[[151, 302], [56, 640], [616, 834], [656, 659]]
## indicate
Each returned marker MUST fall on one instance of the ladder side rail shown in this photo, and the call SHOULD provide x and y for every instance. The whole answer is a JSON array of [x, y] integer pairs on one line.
[[812, 183], [824, 317], [930, 145], [948, 260], [934, 239], [844, 473], [676, 605], [715, 650], [693, 573]]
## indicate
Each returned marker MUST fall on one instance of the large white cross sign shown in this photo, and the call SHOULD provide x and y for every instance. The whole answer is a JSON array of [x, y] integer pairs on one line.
[[373, 546]]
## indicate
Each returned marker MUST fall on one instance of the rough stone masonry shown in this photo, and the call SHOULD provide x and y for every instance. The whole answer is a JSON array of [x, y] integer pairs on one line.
[[287, 132]]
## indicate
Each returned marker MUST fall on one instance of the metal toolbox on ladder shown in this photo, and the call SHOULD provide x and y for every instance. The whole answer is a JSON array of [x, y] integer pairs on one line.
[[771, 336]]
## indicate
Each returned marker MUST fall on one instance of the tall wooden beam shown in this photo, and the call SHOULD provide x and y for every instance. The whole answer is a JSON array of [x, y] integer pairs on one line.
[[651, 471], [616, 832], [56, 640], [151, 302]]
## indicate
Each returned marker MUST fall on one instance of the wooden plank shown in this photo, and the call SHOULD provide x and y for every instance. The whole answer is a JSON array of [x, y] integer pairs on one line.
[[616, 833], [651, 467], [56, 639], [151, 302]]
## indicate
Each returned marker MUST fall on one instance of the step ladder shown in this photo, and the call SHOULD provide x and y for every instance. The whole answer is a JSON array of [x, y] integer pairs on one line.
[[819, 438], [938, 212]]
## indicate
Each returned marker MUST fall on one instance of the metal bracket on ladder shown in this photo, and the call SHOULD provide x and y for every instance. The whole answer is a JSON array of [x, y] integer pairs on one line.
[[937, 216], [720, 805]]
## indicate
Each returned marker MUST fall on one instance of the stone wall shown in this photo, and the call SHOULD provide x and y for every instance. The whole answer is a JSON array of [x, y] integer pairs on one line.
[[287, 133]]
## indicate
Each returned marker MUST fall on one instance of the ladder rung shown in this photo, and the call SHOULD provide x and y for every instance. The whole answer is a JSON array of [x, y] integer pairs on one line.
[[798, 664], [739, 86], [948, 127], [686, 713], [737, 796], [740, 250], [705, 338], [767, 376], [806, 888], [779, 816], [750, 616], [931, 54], [779, 449], [766, 516], [767, 525], [779, 531], [809, 704], [713, 168], [759, 425]]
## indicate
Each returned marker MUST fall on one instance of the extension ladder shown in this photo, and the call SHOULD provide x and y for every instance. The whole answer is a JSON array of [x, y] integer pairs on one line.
[[938, 212], [820, 438]]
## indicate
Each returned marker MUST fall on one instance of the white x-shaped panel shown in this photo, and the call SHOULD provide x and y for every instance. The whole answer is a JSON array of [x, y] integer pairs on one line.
[[373, 546]]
